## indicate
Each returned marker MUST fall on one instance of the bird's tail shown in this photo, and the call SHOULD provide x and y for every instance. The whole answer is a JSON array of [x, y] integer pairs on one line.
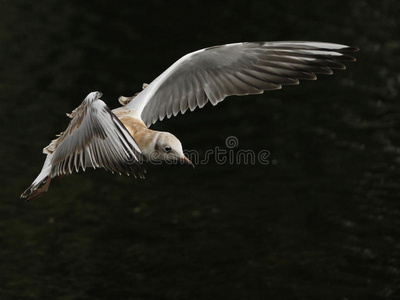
[[41, 184]]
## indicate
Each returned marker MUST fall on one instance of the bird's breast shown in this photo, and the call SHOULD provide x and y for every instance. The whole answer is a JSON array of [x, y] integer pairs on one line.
[[144, 137]]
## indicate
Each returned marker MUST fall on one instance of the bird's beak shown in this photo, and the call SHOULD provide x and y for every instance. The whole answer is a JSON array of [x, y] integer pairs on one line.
[[187, 161]]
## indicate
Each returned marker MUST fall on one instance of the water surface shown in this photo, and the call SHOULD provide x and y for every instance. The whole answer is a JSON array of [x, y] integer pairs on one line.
[[321, 223]]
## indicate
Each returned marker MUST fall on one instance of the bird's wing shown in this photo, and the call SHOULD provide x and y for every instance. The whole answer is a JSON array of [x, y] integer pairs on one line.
[[95, 137], [211, 74]]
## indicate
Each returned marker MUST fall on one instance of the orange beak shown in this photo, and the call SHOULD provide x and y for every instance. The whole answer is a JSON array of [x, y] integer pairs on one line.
[[187, 161]]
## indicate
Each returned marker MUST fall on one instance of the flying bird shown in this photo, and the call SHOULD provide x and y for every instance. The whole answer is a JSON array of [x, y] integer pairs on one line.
[[120, 140]]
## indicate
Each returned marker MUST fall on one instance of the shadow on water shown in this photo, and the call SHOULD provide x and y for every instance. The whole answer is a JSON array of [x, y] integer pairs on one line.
[[321, 223]]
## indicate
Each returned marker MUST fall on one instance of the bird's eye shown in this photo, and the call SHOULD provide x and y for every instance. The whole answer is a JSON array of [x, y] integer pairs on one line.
[[167, 149]]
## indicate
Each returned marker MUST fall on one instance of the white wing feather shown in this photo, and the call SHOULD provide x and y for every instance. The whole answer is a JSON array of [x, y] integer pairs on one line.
[[94, 138], [214, 73]]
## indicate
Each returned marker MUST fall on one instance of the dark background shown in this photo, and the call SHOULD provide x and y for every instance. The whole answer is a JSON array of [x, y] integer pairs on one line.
[[323, 223]]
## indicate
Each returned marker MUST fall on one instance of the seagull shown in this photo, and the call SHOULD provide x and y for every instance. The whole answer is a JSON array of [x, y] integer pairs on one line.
[[120, 140]]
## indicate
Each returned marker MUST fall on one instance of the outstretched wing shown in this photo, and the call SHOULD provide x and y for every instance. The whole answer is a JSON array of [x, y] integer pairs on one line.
[[214, 73], [95, 137]]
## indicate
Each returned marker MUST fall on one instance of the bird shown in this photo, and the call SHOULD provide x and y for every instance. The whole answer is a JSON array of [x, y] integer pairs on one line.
[[120, 140]]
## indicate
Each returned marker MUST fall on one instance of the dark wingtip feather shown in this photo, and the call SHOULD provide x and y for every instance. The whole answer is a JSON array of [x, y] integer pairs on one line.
[[350, 49], [36, 190], [347, 57]]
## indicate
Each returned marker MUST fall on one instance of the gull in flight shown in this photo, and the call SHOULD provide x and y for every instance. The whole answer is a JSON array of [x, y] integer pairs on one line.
[[120, 140]]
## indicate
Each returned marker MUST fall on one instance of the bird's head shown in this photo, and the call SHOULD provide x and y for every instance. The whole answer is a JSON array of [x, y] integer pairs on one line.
[[168, 148]]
